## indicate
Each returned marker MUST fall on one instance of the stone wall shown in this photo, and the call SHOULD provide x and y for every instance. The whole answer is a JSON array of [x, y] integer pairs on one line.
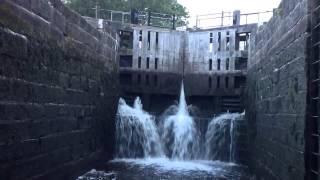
[[58, 91], [276, 93]]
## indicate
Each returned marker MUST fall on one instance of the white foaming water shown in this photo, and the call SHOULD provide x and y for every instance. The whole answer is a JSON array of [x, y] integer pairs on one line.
[[165, 164], [180, 136], [137, 135], [219, 135], [231, 146]]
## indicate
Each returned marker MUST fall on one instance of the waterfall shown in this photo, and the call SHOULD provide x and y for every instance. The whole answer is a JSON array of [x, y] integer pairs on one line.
[[179, 133], [175, 136], [231, 148], [137, 134], [220, 137]]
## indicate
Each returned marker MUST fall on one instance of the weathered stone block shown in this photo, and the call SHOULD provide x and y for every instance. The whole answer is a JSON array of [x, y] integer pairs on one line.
[[59, 20], [24, 3], [42, 8], [13, 44]]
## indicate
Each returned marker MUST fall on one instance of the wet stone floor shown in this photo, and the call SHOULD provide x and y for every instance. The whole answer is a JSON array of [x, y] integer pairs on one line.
[[165, 169]]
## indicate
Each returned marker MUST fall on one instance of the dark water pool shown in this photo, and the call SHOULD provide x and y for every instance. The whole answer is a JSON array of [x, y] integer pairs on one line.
[[165, 169]]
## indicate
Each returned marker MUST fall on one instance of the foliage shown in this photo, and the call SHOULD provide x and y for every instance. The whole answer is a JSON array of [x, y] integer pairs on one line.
[[87, 7]]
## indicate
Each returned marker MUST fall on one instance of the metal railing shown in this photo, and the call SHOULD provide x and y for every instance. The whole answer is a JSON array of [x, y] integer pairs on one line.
[[147, 18], [227, 19], [257, 17], [216, 19], [116, 16]]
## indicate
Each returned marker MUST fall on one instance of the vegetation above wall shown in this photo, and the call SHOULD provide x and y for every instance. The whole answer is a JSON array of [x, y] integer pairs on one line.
[[87, 7]]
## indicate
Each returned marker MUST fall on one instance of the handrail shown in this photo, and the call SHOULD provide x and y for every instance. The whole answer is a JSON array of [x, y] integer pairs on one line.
[[226, 18]]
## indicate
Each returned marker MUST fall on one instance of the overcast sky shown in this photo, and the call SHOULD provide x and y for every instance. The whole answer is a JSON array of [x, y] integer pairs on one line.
[[196, 7]]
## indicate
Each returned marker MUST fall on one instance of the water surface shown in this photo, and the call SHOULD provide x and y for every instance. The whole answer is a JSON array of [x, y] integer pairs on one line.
[[164, 168]]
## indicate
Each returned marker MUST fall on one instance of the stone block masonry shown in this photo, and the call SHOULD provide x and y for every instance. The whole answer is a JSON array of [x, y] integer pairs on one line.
[[58, 91], [277, 93]]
